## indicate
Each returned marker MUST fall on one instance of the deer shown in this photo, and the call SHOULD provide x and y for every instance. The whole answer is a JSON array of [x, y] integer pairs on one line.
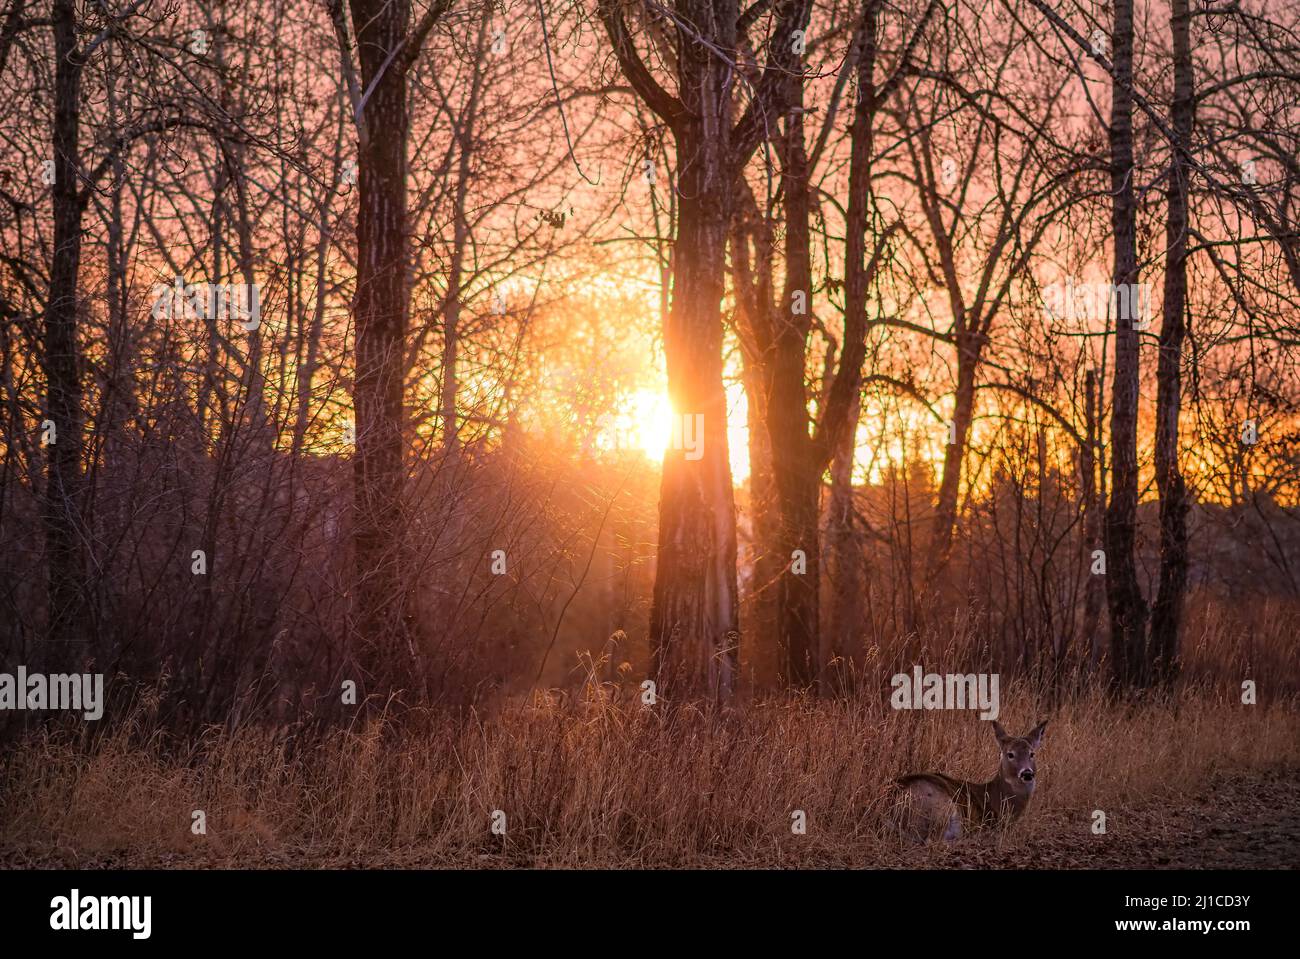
[[932, 804]]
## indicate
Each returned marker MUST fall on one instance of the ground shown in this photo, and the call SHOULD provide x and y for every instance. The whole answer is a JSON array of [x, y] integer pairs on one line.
[[1241, 822]]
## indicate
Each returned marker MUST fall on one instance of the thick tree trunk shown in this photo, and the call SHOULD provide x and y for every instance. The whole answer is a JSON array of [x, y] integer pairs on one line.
[[380, 315], [1128, 610], [65, 535], [694, 620], [1167, 612], [797, 467]]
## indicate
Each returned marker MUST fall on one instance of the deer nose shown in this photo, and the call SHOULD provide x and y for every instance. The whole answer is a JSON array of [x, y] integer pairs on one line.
[[1027, 775]]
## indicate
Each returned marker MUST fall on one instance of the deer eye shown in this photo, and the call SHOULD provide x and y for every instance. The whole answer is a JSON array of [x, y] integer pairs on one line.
[[1031, 755], [1011, 755]]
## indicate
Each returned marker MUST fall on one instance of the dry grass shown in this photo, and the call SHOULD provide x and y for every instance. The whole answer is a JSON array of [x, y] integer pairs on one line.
[[602, 785]]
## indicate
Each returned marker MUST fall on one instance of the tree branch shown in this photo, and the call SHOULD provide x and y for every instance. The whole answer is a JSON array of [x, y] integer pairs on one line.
[[666, 106]]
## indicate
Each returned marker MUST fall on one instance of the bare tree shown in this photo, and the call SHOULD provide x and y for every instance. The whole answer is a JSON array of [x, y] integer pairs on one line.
[[1128, 610], [387, 45], [694, 621], [1167, 611], [64, 482]]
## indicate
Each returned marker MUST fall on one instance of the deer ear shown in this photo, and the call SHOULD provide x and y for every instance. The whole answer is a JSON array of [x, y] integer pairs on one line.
[[1000, 732], [1035, 736]]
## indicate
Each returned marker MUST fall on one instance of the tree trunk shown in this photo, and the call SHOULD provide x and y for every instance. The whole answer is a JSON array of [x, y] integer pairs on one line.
[[1167, 612], [842, 632], [694, 621], [837, 431], [380, 314], [800, 458], [64, 499], [753, 278], [797, 468], [1127, 607], [762, 638], [1092, 516], [945, 517]]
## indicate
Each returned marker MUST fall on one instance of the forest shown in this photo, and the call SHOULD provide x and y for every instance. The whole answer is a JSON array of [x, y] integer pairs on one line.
[[579, 410]]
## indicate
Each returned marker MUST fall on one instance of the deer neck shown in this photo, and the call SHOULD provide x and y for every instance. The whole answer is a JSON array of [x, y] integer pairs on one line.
[[999, 798]]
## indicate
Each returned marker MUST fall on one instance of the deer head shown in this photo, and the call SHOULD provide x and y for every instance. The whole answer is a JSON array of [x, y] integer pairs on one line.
[[1017, 756]]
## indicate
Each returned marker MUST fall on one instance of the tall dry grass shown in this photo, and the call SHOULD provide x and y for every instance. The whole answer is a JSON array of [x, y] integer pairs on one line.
[[599, 784]]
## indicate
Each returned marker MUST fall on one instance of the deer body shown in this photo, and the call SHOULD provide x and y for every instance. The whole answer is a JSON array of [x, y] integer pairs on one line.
[[934, 805]]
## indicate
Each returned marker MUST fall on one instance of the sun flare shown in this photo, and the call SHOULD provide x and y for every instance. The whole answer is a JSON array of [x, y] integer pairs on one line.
[[650, 417], [643, 423]]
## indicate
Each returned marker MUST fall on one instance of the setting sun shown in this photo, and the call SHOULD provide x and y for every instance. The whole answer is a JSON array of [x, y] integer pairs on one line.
[[649, 418]]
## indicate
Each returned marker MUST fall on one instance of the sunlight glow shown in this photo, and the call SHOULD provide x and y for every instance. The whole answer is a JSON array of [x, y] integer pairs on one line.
[[644, 423], [650, 417]]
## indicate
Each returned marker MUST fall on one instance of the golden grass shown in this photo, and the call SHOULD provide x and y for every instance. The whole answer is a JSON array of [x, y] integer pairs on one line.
[[595, 784]]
